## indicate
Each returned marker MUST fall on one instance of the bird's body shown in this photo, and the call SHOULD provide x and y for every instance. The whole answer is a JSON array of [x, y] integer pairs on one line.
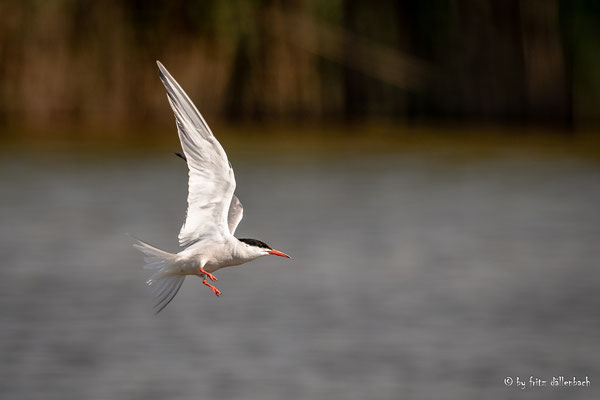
[[213, 256], [213, 214]]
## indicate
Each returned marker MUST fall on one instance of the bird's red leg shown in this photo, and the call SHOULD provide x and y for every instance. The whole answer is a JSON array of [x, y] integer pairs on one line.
[[214, 289], [210, 276]]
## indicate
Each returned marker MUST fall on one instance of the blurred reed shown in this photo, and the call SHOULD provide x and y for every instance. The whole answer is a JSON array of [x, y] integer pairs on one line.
[[76, 62]]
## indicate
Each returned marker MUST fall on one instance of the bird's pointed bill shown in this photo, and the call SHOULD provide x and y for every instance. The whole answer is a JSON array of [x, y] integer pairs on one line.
[[278, 253]]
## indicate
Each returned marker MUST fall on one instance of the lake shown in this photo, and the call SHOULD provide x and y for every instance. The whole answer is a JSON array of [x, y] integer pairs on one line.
[[412, 277]]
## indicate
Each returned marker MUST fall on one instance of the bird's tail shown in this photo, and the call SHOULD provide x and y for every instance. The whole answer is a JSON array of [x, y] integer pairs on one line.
[[164, 282]]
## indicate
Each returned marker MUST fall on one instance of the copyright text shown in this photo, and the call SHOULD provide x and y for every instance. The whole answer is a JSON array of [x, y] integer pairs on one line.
[[555, 381]]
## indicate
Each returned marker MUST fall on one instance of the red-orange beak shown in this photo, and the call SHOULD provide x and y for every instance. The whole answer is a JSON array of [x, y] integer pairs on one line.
[[278, 253]]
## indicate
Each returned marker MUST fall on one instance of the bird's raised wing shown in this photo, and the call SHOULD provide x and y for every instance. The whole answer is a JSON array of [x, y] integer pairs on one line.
[[211, 180]]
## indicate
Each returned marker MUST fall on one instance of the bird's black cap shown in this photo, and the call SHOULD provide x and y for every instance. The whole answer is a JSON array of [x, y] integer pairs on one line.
[[256, 243]]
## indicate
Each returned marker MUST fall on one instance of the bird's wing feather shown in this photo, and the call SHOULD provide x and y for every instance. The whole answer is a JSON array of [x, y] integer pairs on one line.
[[236, 210], [211, 180], [236, 213]]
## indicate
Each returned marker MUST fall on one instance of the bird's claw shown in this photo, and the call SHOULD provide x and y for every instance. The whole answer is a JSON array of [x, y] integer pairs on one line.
[[216, 291]]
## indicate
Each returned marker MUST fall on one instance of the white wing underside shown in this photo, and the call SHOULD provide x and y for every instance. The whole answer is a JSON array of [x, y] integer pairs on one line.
[[213, 210]]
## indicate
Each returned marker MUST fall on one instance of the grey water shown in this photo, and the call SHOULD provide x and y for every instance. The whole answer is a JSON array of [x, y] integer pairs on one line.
[[412, 277]]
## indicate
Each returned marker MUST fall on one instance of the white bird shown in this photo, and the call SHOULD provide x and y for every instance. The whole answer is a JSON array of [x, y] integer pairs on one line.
[[213, 212]]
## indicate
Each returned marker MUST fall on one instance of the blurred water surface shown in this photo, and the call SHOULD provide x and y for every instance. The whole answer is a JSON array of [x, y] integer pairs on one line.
[[412, 277]]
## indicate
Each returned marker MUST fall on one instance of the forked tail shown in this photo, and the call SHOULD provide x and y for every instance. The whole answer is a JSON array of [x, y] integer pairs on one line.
[[163, 282]]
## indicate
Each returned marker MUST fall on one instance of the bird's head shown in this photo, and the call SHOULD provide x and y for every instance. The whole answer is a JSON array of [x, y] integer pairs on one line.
[[261, 248]]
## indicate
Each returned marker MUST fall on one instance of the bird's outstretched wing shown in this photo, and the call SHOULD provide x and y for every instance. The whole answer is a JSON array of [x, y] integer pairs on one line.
[[211, 180]]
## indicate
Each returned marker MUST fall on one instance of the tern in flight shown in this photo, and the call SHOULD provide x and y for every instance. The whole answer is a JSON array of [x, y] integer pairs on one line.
[[213, 212]]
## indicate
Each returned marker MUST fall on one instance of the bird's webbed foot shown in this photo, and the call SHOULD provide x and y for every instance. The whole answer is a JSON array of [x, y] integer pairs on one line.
[[214, 289]]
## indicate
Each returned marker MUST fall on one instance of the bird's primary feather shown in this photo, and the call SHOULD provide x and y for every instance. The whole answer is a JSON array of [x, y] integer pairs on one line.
[[211, 181]]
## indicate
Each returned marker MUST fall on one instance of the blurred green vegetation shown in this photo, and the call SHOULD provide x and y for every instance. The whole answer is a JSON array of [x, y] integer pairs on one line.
[[84, 63]]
